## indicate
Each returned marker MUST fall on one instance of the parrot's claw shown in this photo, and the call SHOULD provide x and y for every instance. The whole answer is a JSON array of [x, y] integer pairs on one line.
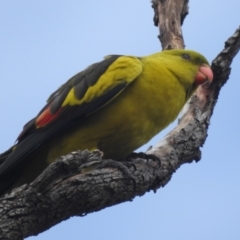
[[143, 155], [122, 166]]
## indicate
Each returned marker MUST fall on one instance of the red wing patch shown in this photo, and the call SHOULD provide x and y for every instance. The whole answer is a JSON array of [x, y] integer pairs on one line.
[[46, 117]]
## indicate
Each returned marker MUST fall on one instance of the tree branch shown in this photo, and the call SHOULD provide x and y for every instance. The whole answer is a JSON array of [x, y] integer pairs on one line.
[[169, 16], [83, 182]]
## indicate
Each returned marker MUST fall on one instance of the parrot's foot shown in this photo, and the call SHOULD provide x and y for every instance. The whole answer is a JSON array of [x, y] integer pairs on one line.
[[145, 156], [122, 166]]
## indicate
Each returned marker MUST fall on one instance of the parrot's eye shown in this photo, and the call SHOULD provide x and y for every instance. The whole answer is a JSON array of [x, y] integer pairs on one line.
[[186, 56]]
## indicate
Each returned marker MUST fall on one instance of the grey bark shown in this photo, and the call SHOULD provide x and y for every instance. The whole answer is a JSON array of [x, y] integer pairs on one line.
[[83, 182], [169, 16]]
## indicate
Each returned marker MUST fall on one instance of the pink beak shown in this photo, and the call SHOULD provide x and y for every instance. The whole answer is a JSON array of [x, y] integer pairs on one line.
[[204, 74]]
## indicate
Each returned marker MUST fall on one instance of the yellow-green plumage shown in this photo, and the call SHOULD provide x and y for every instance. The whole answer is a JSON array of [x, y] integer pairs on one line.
[[144, 108], [152, 91]]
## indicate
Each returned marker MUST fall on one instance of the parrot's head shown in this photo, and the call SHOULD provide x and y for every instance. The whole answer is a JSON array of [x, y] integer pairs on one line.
[[191, 67], [204, 73]]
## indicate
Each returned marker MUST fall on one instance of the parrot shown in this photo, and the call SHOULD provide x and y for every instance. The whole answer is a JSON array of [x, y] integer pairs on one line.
[[115, 105]]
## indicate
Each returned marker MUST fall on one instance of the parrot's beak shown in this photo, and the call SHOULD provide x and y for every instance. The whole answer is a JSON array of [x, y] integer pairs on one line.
[[204, 74]]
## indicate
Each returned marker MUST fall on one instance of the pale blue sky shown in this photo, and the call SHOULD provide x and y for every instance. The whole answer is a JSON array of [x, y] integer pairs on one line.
[[43, 43]]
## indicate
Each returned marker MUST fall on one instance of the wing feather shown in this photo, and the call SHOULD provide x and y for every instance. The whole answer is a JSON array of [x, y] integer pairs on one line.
[[81, 95]]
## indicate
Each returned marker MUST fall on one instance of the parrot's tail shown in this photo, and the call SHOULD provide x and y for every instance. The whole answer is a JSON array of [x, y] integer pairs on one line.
[[4, 156], [3, 184]]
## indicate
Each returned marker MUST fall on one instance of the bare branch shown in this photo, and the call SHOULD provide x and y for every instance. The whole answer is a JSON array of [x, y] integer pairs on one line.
[[169, 16]]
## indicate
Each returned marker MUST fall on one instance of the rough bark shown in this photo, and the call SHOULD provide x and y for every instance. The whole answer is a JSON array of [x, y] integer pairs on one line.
[[83, 182], [169, 16]]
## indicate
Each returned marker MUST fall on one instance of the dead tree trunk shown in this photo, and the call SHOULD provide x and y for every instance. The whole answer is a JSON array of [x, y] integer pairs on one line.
[[83, 182]]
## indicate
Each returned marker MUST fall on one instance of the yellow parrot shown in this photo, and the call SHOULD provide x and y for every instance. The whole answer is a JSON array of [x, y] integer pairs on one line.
[[115, 105]]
